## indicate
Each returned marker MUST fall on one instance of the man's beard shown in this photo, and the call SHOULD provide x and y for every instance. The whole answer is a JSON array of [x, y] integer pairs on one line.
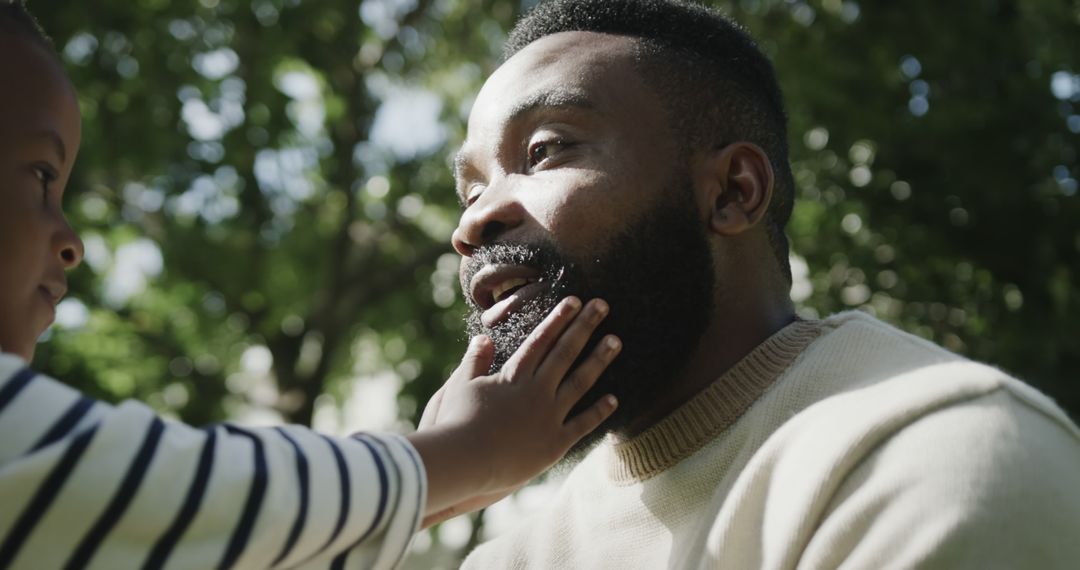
[[657, 276]]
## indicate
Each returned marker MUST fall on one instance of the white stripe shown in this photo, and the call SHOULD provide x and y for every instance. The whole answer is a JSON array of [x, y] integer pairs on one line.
[[372, 553], [87, 491], [204, 542], [364, 493], [158, 499], [280, 502], [21, 480], [9, 365], [405, 523], [30, 415], [324, 498]]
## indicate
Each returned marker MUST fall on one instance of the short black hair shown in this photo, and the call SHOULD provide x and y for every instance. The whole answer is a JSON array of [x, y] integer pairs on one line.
[[717, 85], [15, 19]]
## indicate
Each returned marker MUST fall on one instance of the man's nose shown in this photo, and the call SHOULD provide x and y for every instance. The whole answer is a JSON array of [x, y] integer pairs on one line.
[[492, 215]]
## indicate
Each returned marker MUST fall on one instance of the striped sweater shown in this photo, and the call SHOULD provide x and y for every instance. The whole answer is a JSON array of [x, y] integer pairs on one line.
[[87, 485]]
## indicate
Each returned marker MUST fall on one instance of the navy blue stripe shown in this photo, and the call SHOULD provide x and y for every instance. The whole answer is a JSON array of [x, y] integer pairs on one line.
[[397, 475], [66, 423], [419, 491], [339, 561], [15, 385], [243, 530], [343, 475], [44, 497], [346, 487], [195, 493], [383, 486], [120, 501], [394, 466], [301, 515], [417, 467]]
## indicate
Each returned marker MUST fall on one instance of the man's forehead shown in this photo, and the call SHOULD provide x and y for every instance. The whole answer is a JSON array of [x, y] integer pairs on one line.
[[562, 53], [564, 70], [581, 40], [586, 75]]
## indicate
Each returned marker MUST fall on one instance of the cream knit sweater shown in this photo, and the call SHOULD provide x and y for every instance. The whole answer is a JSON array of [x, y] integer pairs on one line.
[[836, 443]]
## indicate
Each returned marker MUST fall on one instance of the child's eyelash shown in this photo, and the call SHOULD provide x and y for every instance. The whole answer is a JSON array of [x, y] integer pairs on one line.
[[45, 173]]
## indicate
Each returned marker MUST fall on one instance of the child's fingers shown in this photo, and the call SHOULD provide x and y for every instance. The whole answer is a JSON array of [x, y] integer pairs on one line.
[[436, 518], [570, 344], [584, 423], [476, 361], [587, 373], [531, 352]]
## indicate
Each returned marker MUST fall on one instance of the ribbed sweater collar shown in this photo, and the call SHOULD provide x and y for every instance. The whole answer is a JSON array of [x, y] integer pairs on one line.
[[711, 411]]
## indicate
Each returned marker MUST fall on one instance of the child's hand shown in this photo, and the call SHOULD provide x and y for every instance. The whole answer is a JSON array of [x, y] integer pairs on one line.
[[482, 436]]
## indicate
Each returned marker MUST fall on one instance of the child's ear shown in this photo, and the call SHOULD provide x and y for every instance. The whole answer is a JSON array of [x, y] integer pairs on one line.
[[735, 184]]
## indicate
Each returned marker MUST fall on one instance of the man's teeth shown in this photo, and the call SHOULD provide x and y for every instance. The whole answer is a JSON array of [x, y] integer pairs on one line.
[[509, 285]]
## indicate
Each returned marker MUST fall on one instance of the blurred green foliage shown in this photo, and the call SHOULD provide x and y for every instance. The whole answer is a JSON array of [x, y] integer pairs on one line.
[[238, 200], [233, 137]]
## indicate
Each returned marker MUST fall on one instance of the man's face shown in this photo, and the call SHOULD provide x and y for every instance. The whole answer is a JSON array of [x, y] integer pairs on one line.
[[39, 137], [572, 185]]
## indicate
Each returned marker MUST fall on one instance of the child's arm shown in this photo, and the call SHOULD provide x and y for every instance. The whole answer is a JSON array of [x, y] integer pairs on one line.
[[484, 436], [83, 483]]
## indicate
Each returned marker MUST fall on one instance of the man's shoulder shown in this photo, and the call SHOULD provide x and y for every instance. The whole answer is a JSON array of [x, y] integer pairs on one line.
[[859, 331], [941, 443], [858, 356], [956, 387], [960, 451], [892, 390], [880, 379], [888, 369]]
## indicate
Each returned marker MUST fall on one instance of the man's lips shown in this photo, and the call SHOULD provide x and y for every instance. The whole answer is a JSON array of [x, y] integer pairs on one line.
[[498, 290]]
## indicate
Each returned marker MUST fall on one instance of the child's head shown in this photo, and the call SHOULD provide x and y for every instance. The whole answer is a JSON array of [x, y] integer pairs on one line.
[[39, 137]]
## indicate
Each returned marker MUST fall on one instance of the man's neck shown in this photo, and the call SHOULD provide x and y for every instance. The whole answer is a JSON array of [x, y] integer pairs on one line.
[[728, 339]]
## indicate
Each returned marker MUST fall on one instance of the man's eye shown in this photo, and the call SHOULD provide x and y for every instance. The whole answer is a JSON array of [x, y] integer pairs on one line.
[[541, 151], [471, 194]]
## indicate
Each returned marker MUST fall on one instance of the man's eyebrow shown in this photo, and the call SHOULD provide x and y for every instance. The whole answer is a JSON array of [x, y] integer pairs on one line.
[[554, 98], [57, 142], [460, 162]]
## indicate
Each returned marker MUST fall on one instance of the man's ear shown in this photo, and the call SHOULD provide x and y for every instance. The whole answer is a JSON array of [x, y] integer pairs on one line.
[[735, 184]]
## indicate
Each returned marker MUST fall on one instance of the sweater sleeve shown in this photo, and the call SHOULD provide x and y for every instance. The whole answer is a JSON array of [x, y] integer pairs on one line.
[[88, 485], [990, 483]]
